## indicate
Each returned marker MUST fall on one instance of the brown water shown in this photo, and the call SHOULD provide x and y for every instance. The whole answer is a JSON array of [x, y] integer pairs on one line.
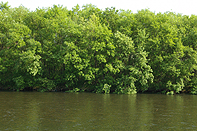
[[52, 111]]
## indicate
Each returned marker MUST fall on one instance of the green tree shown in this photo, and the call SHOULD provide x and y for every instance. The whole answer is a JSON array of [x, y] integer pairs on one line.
[[4, 6]]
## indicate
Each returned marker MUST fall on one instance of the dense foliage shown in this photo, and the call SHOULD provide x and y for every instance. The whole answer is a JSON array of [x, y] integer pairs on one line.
[[103, 51]]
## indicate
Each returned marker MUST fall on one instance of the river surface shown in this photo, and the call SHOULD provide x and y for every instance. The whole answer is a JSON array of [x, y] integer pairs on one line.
[[29, 111]]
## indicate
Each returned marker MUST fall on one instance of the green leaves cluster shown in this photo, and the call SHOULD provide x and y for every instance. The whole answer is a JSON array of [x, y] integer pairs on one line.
[[102, 51]]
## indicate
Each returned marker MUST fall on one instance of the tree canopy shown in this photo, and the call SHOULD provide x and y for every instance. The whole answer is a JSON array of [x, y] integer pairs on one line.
[[102, 51]]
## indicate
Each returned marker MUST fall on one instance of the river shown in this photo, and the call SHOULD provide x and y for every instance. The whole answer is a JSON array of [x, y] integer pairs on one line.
[[52, 111]]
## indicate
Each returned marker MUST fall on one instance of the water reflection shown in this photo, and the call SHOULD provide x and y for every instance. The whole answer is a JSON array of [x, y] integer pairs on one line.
[[89, 111]]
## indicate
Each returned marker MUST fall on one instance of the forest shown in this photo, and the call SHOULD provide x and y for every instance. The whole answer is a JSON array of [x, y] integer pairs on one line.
[[93, 50]]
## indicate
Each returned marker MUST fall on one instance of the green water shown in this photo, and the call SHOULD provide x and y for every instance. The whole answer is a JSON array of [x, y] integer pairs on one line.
[[88, 111]]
